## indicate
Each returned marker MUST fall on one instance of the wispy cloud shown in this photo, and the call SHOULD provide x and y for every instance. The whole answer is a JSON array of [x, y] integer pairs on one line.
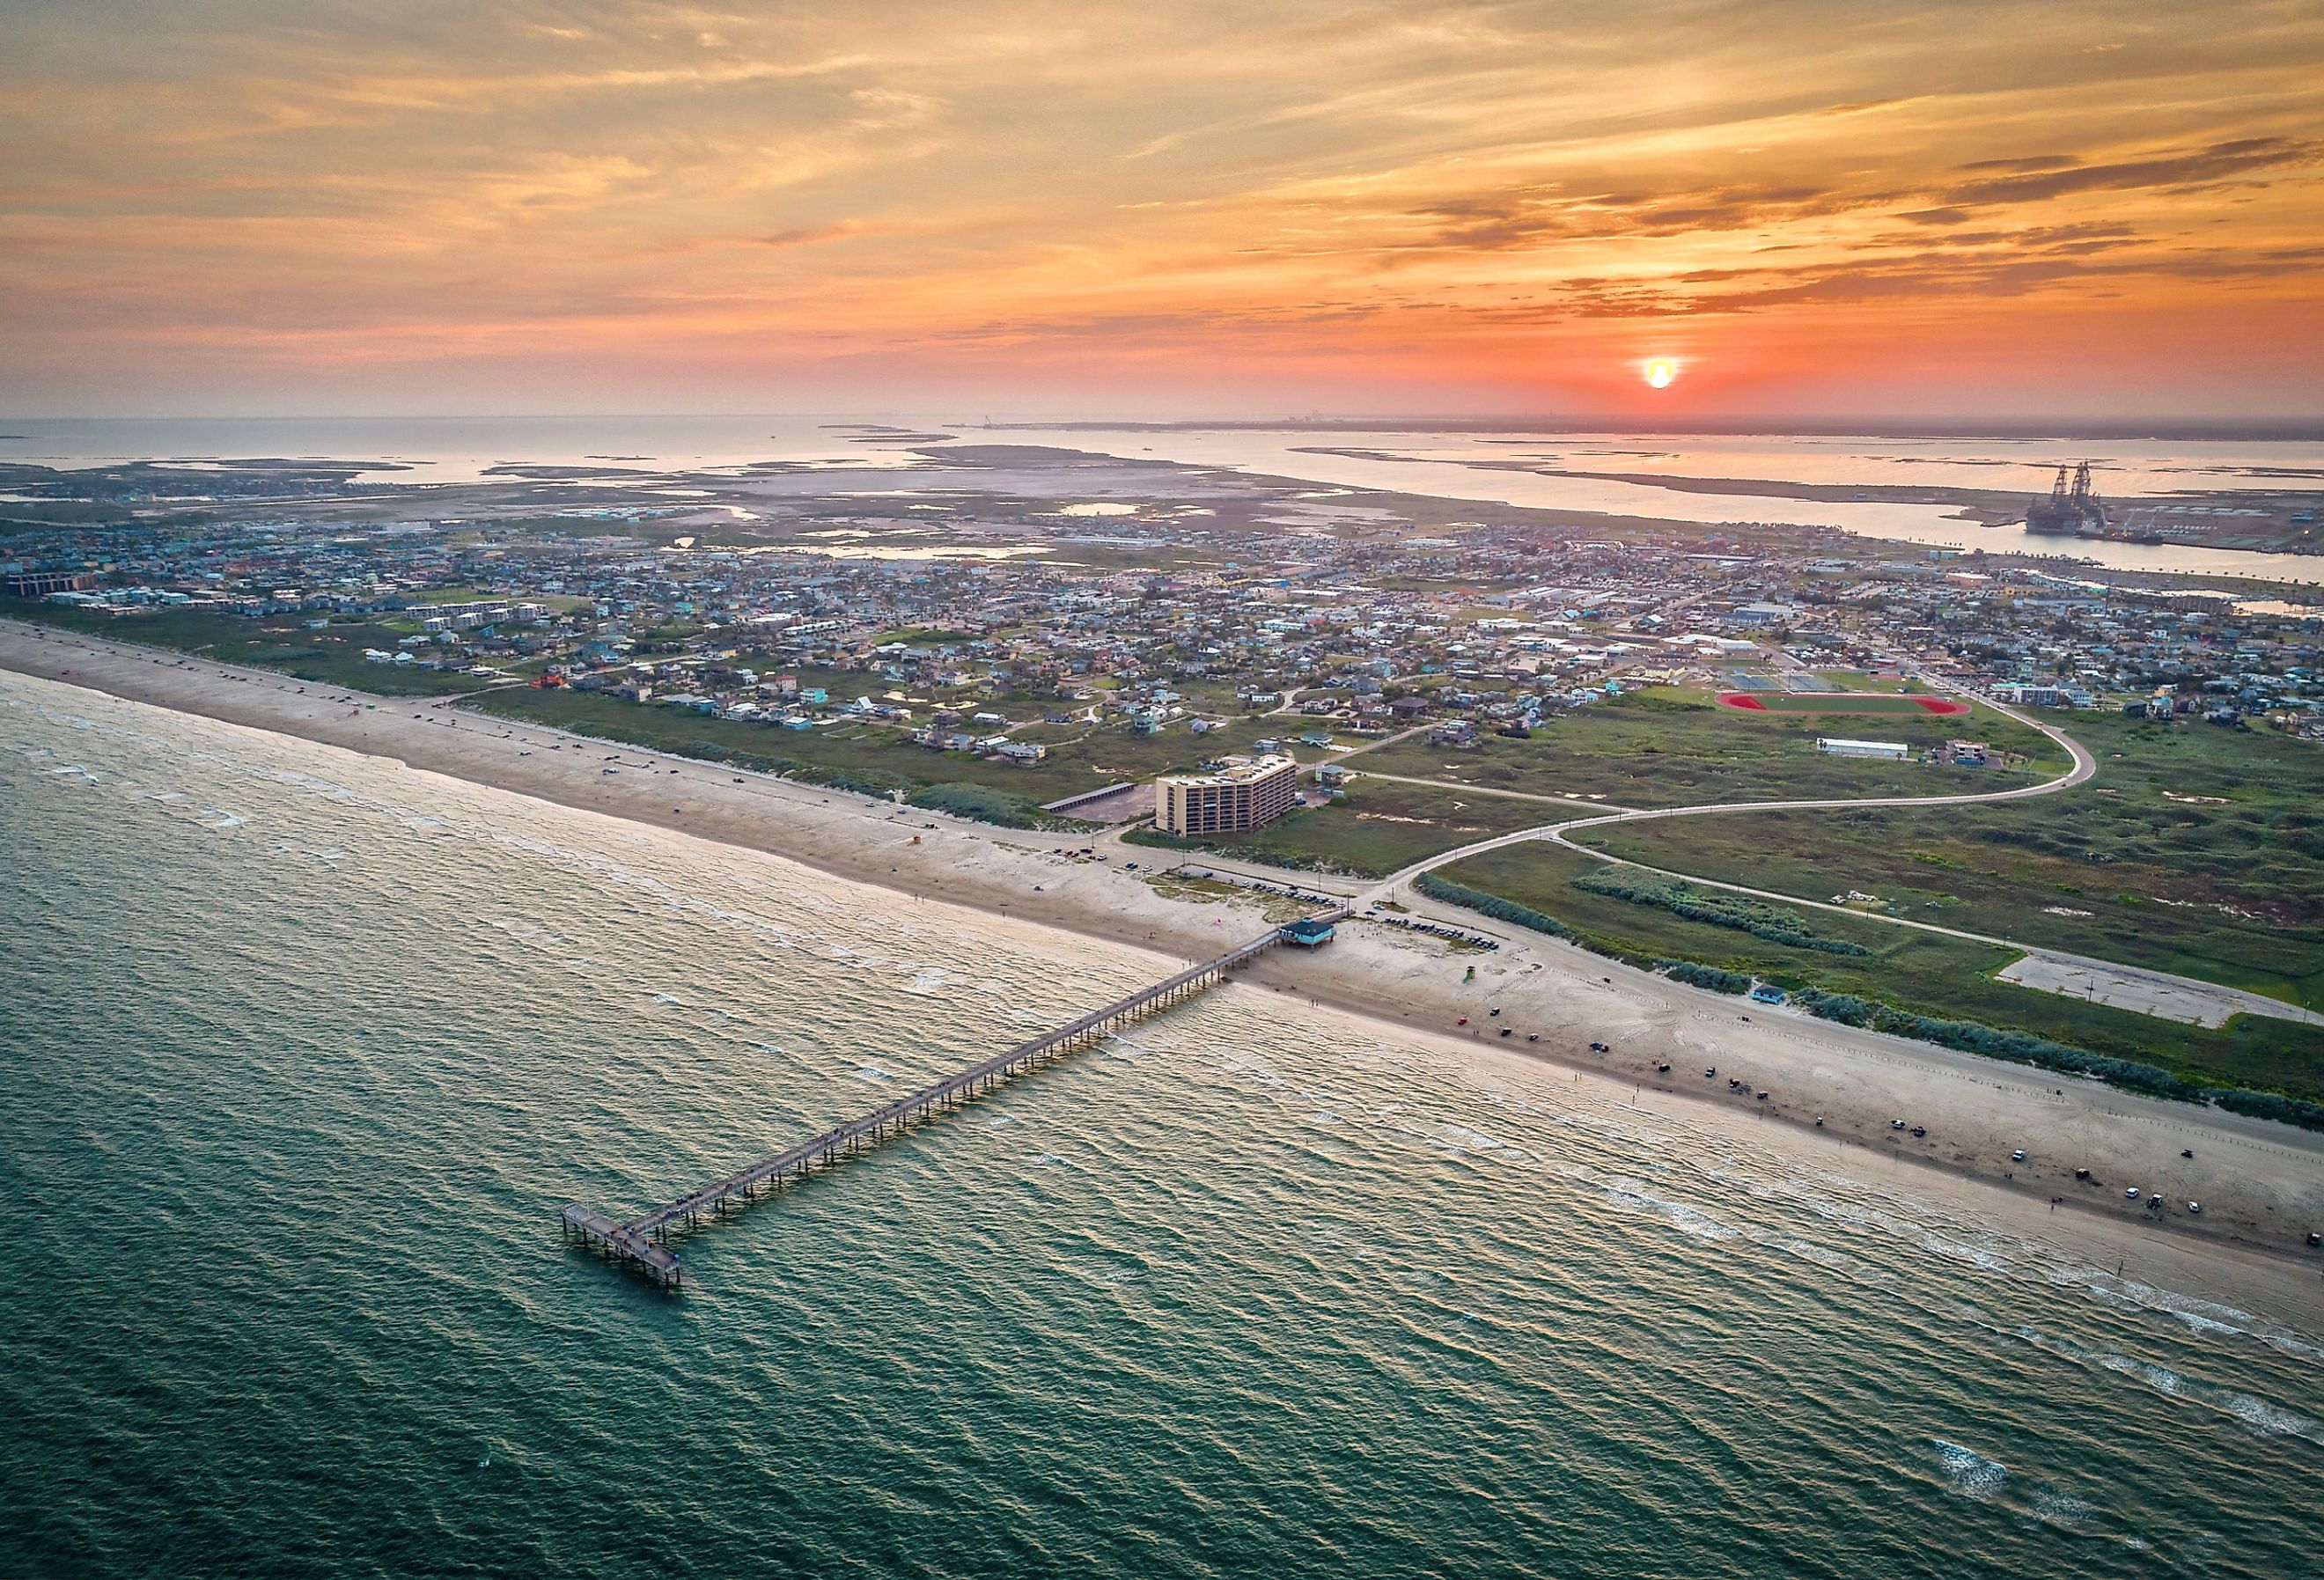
[[1488, 186]]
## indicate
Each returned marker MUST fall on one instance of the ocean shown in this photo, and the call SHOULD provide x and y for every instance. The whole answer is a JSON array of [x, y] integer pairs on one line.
[[304, 1052]]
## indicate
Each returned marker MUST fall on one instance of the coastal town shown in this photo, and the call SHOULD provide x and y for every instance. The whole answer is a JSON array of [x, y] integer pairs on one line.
[[1153, 793], [998, 640], [1217, 679]]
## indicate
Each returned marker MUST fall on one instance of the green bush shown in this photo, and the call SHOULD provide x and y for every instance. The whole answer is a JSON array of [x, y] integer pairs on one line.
[[1710, 976], [2272, 1105], [1491, 905], [1967, 1036], [2022, 1048], [981, 802], [1692, 902]]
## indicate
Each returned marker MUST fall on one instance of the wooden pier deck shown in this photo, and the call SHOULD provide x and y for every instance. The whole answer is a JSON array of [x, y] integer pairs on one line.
[[599, 1233], [641, 1242]]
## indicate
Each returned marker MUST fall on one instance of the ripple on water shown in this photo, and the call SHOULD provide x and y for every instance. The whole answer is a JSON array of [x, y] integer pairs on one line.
[[1129, 1316]]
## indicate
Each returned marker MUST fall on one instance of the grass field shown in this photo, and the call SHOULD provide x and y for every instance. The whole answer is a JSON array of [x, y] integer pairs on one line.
[[2196, 850], [332, 656], [1657, 749], [1930, 975], [1081, 757], [1374, 830]]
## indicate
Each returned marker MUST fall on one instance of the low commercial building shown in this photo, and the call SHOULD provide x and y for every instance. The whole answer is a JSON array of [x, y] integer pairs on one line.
[[1244, 793], [1309, 932], [1886, 751], [41, 584]]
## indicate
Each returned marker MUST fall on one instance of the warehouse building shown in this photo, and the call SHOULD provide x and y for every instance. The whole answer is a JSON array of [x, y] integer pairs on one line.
[[1885, 751]]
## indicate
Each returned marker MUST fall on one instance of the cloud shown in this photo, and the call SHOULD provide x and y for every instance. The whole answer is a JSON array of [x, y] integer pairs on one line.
[[2039, 161], [589, 176], [2219, 162]]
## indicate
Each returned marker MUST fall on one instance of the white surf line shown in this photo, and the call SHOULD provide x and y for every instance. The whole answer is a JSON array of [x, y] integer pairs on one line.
[[2084, 767]]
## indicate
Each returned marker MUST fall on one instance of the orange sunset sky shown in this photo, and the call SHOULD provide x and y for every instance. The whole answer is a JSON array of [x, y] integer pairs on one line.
[[2064, 208]]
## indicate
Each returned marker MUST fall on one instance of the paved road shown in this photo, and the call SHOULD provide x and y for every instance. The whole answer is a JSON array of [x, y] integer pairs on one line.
[[1480, 790], [2084, 766]]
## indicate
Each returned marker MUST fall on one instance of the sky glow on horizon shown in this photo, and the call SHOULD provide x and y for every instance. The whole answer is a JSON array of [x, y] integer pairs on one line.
[[2072, 209]]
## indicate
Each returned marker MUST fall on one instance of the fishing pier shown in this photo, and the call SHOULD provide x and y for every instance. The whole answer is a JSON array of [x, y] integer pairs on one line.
[[641, 1244]]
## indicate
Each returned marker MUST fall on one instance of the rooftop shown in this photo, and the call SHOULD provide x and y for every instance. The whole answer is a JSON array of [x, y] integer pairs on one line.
[[1234, 771]]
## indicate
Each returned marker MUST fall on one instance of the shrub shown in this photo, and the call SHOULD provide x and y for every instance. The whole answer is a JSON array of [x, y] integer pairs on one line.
[[1967, 1036], [1493, 905], [981, 802], [2015, 1047], [1710, 976], [2272, 1105], [1692, 902]]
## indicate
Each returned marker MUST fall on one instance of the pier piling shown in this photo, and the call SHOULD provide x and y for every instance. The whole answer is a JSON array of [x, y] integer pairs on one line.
[[641, 1243]]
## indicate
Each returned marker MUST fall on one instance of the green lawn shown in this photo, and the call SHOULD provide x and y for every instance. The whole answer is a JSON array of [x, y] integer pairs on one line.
[[2197, 850], [332, 656], [1652, 749], [1948, 978]]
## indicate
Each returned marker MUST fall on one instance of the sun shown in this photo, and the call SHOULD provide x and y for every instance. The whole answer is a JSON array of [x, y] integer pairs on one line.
[[1660, 371]]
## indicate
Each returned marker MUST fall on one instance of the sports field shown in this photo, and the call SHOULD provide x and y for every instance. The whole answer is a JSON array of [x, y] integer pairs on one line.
[[1890, 703]]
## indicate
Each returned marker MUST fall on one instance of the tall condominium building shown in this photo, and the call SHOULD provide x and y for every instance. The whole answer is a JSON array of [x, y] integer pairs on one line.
[[1246, 792]]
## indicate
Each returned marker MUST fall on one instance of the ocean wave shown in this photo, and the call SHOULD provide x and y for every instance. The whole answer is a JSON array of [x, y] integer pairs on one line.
[[1688, 1220], [2257, 1415], [2056, 1506], [2199, 1314], [1969, 1472]]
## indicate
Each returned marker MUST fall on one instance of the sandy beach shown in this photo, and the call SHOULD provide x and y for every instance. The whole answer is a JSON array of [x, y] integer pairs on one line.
[[1835, 1089]]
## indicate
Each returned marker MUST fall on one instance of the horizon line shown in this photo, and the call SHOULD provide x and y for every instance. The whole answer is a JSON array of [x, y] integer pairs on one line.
[[2305, 429]]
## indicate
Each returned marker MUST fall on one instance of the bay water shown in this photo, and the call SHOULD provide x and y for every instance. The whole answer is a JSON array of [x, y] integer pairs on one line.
[[882, 454]]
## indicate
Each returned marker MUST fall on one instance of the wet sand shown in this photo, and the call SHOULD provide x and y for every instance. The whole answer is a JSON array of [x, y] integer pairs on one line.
[[2261, 1185]]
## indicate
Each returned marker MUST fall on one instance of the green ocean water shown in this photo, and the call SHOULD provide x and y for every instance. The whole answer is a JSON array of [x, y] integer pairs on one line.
[[301, 1052]]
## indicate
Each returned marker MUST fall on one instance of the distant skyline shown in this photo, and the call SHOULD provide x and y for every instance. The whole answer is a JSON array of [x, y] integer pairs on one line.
[[2065, 213]]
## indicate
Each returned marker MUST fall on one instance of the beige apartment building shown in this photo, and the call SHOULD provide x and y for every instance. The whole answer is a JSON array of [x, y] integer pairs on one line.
[[1246, 792]]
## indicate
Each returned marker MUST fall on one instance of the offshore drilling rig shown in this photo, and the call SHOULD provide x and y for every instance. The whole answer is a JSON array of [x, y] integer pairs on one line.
[[2075, 510]]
